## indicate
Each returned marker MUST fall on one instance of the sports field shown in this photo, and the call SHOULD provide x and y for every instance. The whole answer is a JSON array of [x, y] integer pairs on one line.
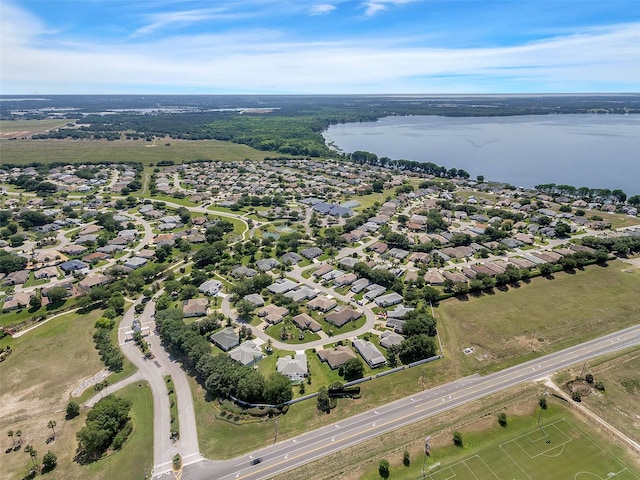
[[556, 451]]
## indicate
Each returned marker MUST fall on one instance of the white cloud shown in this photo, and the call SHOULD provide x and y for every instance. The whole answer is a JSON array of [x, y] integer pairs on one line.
[[375, 6], [182, 18], [254, 61], [322, 9]]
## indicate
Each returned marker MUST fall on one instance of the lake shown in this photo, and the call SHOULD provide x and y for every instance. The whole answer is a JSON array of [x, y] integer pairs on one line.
[[595, 151]]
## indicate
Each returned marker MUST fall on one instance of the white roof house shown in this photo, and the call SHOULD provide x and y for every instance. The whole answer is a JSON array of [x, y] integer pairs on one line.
[[295, 368]]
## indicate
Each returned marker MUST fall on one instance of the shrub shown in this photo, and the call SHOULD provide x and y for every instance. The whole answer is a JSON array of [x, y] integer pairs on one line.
[[543, 402], [457, 439], [576, 397], [73, 409], [589, 378], [502, 419], [122, 436], [599, 386], [383, 468], [406, 460]]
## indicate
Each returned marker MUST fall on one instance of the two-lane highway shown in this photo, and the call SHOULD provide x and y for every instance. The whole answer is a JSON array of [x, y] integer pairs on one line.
[[313, 445]]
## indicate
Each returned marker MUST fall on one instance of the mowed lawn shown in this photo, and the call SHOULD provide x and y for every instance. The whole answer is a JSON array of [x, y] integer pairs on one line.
[[539, 317], [561, 448], [21, 152]]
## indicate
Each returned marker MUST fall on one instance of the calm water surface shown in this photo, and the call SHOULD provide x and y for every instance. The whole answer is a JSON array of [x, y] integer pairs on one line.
[[595, 151]]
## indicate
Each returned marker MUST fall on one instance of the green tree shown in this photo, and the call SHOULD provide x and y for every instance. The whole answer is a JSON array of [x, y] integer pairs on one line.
[[502, 419], [57, 294], [116, 301], [542, 401], [416, 348], [406, 459], [277, 389], [35, 302], [353, 369], [245, 309], [457, 439], [383, 468], [324, 402], [49, 461]]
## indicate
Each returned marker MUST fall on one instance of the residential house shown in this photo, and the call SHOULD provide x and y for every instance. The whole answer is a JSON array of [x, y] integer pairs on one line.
[[311, 252], [243, 271], [305, 322], [359, 285], [388, 300], [291, 258], [91, 281], [340, 317], [389, 338], [302, 293], [255, 299], [323, 304], [282, 285], [16, 301], [295, 368], [336, 356], [346, 279], [369, 353], [135, 262], [247, 353], [195, 307], [267, 264], [72, 266], [210, 287], [226, 338], [47, 272]]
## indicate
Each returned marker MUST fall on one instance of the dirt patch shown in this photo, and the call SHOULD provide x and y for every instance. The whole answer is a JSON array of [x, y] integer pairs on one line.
[[90, 382]]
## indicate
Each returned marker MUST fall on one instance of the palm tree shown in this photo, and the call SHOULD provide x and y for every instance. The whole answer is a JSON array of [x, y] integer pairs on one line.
[[52, 424], [33, 453], [10, 434], [19, 435]]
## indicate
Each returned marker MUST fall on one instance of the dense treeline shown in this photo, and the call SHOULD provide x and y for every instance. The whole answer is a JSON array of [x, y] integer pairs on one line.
[[623, 245], [222, 376], [107, 426]]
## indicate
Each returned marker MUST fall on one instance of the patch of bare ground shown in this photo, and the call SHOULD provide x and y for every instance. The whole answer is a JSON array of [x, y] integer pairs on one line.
[[619, 403], [350, 463]]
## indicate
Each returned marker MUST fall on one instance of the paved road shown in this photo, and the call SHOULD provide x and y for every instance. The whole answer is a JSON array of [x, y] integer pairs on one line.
[[313, 445], [154, 370]]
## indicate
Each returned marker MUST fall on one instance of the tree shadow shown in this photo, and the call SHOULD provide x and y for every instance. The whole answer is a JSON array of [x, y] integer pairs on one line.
[[83, 458], [549, 276], [515, 285], [462, 298], [503, 288], [489, 291], [570, 271]]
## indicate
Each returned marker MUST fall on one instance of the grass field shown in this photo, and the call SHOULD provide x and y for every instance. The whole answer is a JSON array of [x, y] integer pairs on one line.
[[539, 317], [619, 404], [65, 346], [557, 451], [131, 463], [21, 128], [519, 451], [21, 152]]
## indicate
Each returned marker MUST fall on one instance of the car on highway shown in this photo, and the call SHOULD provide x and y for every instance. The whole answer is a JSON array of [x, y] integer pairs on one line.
[[256, 461]]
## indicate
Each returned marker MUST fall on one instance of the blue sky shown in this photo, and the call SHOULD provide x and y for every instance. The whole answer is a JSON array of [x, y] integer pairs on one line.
[[319, 47]]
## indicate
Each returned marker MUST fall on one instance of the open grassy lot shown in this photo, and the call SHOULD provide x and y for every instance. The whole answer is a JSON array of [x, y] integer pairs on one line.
[[130, 463], [558, 450], [24, 128], [490, 452], [46, 364], [539, 317], [77, 151], [619, 404]]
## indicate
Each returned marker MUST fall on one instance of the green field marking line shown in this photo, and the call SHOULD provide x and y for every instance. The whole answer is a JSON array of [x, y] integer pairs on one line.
[[462, 469], [535, 439]]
